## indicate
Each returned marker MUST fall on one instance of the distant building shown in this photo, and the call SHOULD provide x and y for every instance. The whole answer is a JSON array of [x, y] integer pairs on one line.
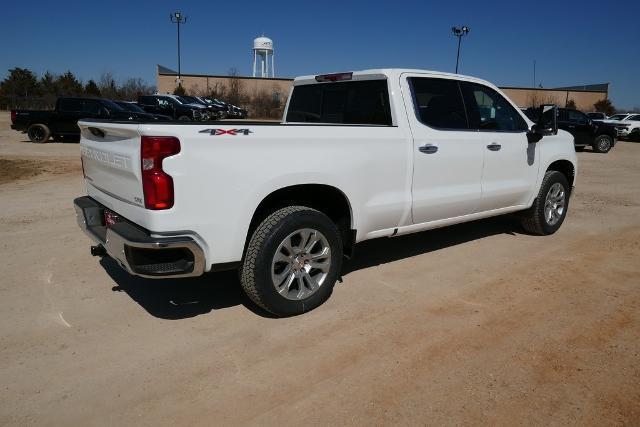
[[277, 88], [583, 96]]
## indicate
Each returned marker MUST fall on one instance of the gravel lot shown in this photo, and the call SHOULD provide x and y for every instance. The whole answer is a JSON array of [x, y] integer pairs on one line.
[[472, 324]]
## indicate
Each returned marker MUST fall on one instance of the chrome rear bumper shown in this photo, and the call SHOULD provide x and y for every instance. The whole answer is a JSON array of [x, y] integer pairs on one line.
[[135, 250]]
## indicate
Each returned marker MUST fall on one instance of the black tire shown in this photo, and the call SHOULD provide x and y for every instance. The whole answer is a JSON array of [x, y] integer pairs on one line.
[[533, 219], [184, 118], [256, 272], [579, 148], [602, 144], [38, 133]]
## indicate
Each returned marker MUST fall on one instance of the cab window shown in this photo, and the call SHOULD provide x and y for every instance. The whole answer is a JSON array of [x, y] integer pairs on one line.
[[364, 102], [490, 111], [438, 103]]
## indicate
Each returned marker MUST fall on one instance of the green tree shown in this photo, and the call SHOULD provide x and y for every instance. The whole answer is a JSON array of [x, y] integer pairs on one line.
[[571, 104], [179, 90], [21, 82], [48, 84], [91, 88], [68, 85], [604, 106]]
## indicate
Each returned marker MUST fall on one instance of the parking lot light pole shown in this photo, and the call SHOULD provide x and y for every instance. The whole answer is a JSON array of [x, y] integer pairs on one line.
[[177, 18], [459, 32]]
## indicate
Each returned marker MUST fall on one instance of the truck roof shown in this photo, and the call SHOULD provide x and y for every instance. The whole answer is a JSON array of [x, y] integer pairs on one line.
[[392, 72]]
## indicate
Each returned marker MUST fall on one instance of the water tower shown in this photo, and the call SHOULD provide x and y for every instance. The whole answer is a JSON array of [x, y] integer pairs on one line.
[[263, 51]]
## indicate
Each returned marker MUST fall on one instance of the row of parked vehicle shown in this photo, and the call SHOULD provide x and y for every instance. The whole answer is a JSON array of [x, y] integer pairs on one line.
[[61, 123], [591, 130], [627, 124]]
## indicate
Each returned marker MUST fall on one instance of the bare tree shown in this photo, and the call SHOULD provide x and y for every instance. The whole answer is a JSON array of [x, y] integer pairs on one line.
[[236, 87], [107, 85]]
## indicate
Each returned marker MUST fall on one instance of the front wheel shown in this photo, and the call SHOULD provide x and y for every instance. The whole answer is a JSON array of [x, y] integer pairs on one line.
[[184, 118], [603, 144], [549, 209], [293, 261]]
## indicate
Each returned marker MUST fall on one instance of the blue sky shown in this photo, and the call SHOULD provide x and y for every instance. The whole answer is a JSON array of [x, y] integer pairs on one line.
[[577, 42]]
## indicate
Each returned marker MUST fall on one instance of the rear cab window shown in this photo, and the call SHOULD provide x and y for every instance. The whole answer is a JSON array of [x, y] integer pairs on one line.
[[359, 102]]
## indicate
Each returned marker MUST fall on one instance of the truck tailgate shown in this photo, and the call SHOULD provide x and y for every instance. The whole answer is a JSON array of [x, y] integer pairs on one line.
[[111, 160]]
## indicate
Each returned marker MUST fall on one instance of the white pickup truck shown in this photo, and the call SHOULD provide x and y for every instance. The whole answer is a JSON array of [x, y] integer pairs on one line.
[[359, 155]]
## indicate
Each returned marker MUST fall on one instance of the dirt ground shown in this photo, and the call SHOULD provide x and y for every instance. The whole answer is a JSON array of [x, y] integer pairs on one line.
[[472, 324]]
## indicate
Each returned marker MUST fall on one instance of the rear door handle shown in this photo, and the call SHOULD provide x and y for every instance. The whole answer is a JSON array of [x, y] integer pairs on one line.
[[428, 149], [494, 147]]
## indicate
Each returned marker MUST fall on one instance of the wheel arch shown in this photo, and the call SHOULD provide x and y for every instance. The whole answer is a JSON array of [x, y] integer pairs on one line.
[[325, 198], [565, 167]]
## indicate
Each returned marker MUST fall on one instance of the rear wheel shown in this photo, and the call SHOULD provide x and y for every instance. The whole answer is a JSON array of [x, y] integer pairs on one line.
[[292, 261], [549, 209], [602, 144], [38, 133]]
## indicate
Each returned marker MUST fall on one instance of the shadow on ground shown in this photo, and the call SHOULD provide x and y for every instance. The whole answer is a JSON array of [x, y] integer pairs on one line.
[[183, 298]]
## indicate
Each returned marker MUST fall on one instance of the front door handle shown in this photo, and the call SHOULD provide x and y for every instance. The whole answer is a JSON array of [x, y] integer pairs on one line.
[[494, 147], [428, 149]]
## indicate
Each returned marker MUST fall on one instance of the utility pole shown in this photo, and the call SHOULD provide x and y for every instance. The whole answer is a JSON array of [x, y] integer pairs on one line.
[[459, 32], [177, 18]]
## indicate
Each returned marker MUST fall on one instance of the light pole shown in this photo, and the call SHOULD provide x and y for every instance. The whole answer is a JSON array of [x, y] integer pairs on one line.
[[459, 32], [177, 18]]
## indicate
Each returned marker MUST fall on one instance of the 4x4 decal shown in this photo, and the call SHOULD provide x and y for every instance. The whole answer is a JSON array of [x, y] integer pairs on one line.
[[217, 132]]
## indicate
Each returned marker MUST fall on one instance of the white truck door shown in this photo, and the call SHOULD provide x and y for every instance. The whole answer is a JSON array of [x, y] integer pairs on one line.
[[447, 156], [510, 162]]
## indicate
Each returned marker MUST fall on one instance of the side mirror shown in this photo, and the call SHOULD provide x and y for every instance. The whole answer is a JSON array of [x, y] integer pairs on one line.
[[548, 119], [547, 123]]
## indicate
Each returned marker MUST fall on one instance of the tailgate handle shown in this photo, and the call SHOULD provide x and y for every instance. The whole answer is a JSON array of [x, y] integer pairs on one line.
[[97, 132]]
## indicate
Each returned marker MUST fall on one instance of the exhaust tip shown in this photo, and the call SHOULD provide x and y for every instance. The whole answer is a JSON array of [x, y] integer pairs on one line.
[[98, 251]]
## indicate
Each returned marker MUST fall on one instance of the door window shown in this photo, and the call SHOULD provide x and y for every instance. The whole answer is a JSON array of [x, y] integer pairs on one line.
[[438, 103], [91, 107], [489, 111], [577, 117], [163, 102]]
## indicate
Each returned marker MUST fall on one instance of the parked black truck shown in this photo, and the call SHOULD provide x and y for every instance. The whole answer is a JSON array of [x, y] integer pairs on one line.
[[586, 132], [61, 123]]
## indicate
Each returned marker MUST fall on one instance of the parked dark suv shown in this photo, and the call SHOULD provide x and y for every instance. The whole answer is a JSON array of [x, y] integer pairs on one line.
[[173, 106], [586, 132]]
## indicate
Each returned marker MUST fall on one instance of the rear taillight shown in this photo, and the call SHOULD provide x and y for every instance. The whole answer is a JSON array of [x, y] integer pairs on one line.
[[157, 185], [14, 114]]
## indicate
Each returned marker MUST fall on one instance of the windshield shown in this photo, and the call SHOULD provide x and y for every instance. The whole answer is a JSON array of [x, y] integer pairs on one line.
[[188, 100], [595, 115], [112, 106], [617, 117], [130, 106]]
